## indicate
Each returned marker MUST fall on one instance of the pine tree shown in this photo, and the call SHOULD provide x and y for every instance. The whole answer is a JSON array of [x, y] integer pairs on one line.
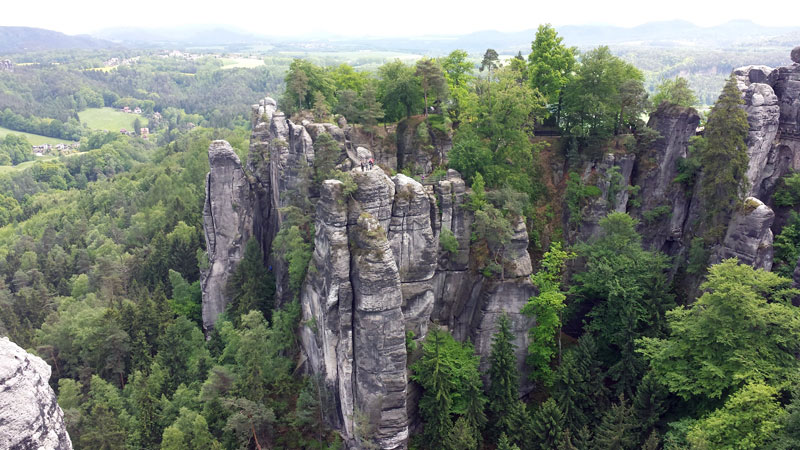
[[250, 286], [723, 158], [476, 407], [504, 378], [566, 441], [649, 403], [579, 388], [548, 425], [435, 404], [462, 436], [617, 429], [505, 444]]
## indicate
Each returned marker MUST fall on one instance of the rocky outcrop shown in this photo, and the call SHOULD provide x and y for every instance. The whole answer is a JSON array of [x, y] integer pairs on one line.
[[421, 147], [228, 225], [749, 237], [612, 177], [656, 169], [377, 273], [30, 418]]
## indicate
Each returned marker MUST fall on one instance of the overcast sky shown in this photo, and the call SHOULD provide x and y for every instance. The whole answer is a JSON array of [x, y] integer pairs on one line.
[[383, 18]]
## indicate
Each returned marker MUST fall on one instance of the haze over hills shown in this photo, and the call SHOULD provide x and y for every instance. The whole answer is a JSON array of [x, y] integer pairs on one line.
[[662, 34], [667, 34], [26, 39]]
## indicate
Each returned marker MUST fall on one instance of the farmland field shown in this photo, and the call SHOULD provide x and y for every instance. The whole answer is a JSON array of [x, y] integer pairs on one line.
[[34, 139], [108, 119]]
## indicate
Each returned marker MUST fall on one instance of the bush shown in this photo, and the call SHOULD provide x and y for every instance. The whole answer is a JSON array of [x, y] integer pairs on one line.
[[788, 192], [448, 241], [657, 213]]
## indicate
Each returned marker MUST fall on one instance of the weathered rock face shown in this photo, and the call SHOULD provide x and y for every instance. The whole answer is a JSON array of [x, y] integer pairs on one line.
[[657, 168], [377, 271], [30, 418], [228, 225], [749, 237], [612, 176], [419, 147]]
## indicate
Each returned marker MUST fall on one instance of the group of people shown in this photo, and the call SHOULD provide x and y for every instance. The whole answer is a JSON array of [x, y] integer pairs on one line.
[[367, 164]]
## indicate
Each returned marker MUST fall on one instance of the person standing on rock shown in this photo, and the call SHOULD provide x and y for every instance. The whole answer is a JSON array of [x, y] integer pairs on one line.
[[362, 164], [371, 163]]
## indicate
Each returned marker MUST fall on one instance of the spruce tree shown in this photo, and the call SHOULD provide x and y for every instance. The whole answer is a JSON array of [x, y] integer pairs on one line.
[[505, 444], [617, 430], [548, 425], [504, 388], [579, 388], [723, 158], [435, 404], [250, 287]]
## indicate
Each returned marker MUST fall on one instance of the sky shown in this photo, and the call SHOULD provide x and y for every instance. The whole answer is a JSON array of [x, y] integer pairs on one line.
[[382, 18]]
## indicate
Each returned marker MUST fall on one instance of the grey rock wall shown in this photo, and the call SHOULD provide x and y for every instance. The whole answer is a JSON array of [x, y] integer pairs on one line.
[[227, 222], [30, 418]]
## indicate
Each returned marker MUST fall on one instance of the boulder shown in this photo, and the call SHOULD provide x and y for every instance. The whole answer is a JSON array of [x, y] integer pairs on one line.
[[30, 417], [795, 55]]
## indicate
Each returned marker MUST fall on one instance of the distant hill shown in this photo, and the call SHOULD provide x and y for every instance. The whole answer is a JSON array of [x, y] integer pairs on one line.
[[26, 39], [191, 35]]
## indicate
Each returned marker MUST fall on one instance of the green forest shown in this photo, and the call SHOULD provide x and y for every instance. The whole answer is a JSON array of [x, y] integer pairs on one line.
[[101, 254]]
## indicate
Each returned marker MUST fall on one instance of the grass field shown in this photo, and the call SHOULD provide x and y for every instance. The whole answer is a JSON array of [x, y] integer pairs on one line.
[[107, 119], [25, 165], [34, 139], [244, 63]]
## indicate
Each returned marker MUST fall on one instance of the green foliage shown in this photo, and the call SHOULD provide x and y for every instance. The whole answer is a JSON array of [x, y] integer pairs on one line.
[[293, 244], [399, 90], [787, 247], [190, 430], [605, 97], [580, 391], [304, 81], [432, 80], [14, 149], [546, 308], [675, 91], [748, 420], [503, 391], [656, 214], [494, 133], [789, 435], [250, 286], [618, 427], [551, 65], [626, 287], [718, 345], [448, 241], [186, 298], [505, 444], [576, 196], [448, 373], [458, 73], [548, 425], [723, 158], [788, 191]]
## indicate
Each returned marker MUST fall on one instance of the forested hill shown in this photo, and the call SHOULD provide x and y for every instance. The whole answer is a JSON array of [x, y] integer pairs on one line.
[[26, 39]]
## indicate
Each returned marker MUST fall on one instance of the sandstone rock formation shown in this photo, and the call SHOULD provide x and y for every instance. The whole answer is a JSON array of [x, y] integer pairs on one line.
[[749, 237], [30, 418], [228, 225]]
